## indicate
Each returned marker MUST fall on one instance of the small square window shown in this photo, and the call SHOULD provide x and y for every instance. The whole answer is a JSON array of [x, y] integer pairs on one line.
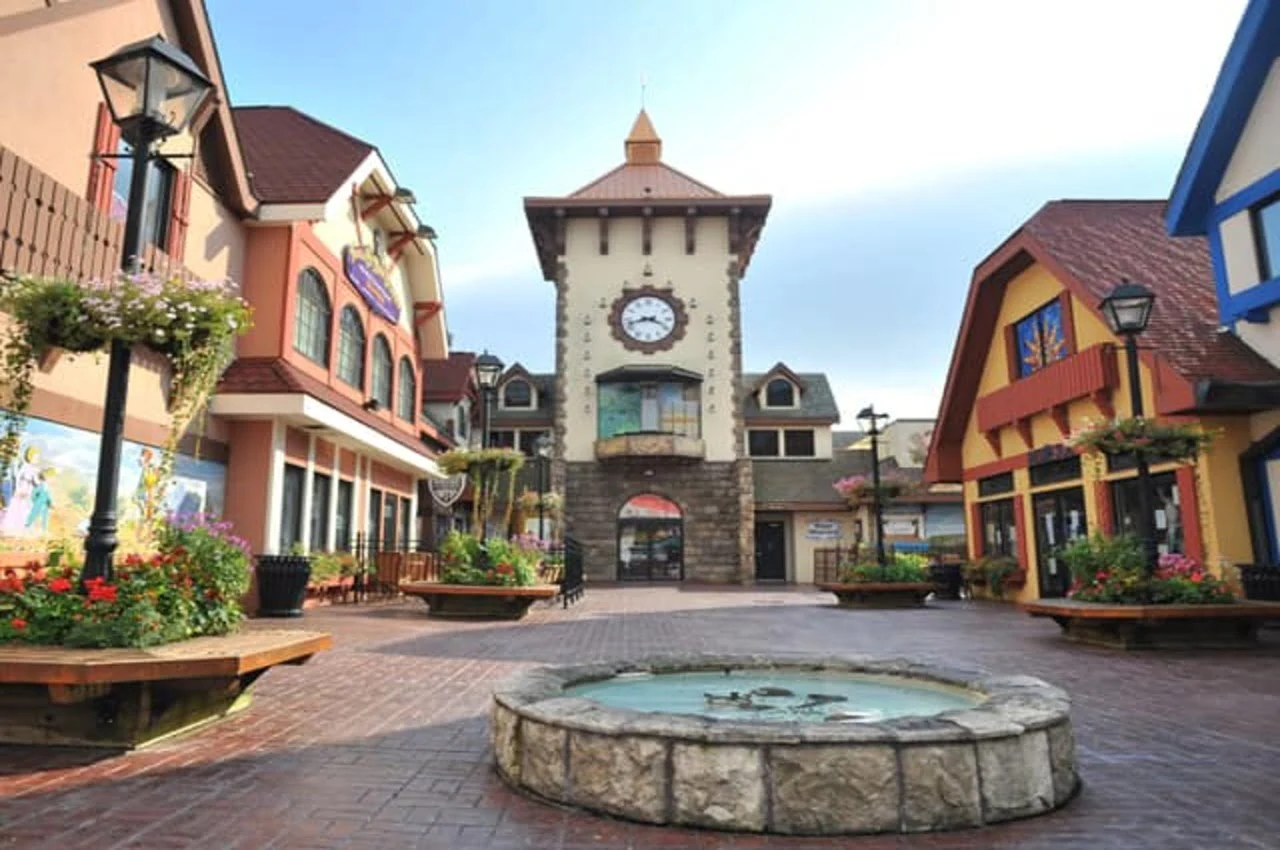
[[762, 443], [1041, 339], [799, 443]]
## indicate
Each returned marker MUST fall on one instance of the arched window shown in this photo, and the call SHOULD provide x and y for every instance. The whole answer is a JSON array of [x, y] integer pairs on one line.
[[650, 539], [406, 390], [517, 394], [351, 348], [381, 372], [780, 393], [311, 318]]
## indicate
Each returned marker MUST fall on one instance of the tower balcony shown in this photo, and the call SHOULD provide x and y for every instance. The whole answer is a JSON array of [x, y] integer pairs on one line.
[[650, 445]]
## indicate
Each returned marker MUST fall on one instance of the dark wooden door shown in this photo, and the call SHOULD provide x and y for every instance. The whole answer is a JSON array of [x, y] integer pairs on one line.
[[771, 551]]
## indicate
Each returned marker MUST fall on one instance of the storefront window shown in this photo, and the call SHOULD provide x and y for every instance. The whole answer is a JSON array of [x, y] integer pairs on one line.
[[351, 348], [999, 531], [1166, 510], [649, 408], [343, 516], [382, 372], [406, 520], [375, 515], [291, 507], [406, 390], [389, 523], [311, 318], [320, 512]]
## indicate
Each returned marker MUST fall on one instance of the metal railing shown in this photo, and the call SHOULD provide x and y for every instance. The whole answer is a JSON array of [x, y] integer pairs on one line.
[[573, 583]]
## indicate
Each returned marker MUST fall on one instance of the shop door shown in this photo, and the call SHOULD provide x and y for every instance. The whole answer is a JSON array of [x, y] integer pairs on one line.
[[1060, 519], [771, 551], [650, 550]]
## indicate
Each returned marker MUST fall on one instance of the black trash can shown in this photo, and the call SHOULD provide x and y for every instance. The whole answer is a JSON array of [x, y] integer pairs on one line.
[[947, 580], [282, 584]]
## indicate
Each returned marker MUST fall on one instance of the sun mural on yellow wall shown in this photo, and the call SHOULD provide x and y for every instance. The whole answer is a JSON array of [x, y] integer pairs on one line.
[[1041, 339]]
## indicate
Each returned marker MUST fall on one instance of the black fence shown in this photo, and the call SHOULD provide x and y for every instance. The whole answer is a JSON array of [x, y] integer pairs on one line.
[[573, 584]]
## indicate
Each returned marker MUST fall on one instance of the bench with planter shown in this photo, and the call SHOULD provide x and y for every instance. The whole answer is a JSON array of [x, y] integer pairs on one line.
[[879, 594], [478, 601], [127, 698], [1200, 626]]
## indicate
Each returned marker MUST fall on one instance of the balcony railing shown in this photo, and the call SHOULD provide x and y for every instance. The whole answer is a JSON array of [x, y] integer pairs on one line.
[[49, 230], [650, 444], [1091, 372]]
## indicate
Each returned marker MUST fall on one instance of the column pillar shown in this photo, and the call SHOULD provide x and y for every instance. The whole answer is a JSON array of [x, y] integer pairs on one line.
[[275, 488]]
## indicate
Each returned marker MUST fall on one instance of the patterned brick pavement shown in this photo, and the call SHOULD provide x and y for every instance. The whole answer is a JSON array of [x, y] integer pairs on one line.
[[380, 743]]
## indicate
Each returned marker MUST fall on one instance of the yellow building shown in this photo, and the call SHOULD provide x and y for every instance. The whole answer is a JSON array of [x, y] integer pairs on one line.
[[1035, 361]]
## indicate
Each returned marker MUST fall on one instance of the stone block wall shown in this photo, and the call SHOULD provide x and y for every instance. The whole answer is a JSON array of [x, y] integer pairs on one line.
[[717, 538]]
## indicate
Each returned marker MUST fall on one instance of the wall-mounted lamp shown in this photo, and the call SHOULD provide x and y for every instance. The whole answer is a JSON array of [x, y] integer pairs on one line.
[[405, 196]]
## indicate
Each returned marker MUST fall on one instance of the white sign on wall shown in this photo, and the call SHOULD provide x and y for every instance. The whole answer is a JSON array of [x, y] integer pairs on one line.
[[824, 529], [902, 526]]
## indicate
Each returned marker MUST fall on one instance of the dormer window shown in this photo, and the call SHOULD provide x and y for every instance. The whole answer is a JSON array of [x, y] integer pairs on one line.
[[517, 393], [780, 393]]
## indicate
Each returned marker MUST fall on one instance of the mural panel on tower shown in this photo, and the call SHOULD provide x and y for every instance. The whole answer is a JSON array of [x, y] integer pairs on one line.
[[47, 493]]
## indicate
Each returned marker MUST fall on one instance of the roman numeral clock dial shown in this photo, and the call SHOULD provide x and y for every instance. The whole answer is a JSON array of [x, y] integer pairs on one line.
[[648, 319]]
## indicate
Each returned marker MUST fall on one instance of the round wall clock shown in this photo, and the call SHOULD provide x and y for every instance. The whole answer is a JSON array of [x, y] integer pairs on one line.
[[648, 319]]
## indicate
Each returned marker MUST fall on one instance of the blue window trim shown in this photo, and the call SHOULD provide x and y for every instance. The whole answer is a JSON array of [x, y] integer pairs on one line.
[[1268, 502], [1248, 304]]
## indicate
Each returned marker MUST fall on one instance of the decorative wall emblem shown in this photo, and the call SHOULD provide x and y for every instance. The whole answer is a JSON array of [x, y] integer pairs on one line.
[[446, 491], [648, 319], [367, 274]]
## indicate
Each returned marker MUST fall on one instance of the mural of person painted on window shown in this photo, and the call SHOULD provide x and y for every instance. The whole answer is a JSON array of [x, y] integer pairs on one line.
[[1041, 339], [19, 492]]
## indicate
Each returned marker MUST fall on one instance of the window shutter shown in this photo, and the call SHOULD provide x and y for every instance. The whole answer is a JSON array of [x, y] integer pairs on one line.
[[102, 164], [180, 215]]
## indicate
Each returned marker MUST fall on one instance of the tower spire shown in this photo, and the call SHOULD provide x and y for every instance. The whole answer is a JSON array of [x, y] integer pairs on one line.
[[643, 146]]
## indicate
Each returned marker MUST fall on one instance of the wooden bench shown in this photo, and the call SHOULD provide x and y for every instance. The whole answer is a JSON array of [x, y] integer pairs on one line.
[[478, 601], [1218, 626], [125, 698], [879, 594]]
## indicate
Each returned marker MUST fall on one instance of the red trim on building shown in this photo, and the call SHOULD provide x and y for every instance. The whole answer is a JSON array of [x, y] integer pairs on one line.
[[1086, 373], [102, 164], [179, 215], [1188, 495], [976, 542]]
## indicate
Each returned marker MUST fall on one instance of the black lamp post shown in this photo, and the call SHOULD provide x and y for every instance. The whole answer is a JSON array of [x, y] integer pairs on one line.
[[1128, 310], [870, 420], [152, 90], [543, 449], [488, 369]]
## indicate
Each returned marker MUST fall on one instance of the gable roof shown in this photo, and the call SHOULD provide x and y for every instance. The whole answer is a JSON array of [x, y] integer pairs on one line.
[[1244, 70], [816, 403], [779, 370], [293, 158], [544, 392], [447, 379], [1089, 246]]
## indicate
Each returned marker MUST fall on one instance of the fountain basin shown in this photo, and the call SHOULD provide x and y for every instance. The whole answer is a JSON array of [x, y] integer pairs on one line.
[[980, 749]]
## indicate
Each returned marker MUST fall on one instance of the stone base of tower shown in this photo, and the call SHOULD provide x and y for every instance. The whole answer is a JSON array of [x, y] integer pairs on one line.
[[716, 506]]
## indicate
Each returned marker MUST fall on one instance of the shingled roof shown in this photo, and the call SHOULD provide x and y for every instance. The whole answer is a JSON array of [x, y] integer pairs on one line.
[[817, 402], [293, 158], [447, 380]]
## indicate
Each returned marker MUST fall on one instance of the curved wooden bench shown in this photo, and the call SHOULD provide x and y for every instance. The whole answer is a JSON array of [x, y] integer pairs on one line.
[[477, 601], [125, 698], [1225, 625], [879, 594]]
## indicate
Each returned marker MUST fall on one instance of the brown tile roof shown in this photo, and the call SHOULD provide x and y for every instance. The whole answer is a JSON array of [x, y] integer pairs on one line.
[[447, 380], [272, 375], [631, 182], [1099, 242], [291, 157]]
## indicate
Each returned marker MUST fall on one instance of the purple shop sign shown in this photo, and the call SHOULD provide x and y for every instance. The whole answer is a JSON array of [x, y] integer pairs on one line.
[[372, 286]]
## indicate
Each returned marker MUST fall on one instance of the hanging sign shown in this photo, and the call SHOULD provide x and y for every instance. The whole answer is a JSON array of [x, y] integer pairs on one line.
[[363, 268], [446, 491]]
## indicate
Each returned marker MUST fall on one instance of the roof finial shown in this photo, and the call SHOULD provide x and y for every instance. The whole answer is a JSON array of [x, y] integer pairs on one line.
[[643, 146], [644, 83]]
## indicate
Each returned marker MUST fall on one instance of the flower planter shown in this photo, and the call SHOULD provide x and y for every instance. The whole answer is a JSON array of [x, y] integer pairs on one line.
[[282, 584], [1231, 625], [875, 594], [947, 580], [477, 601]]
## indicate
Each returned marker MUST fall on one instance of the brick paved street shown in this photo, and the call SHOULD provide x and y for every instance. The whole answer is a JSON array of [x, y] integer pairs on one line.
[[381, 742]]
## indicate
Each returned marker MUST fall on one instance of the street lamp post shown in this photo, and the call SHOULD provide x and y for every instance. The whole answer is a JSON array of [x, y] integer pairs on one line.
[[543, 449], [870, 420], [1128, 310], [488, 369], [152, 90]]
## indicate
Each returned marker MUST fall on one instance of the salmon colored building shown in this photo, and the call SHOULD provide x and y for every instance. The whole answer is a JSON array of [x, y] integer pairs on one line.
[[316, 433], [1035, 360]]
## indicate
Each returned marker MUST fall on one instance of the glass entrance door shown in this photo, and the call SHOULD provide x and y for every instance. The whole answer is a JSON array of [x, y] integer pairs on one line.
[[1060, 519], [650, 550]]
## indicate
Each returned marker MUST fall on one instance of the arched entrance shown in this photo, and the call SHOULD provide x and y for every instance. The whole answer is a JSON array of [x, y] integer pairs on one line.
[[650, 539]]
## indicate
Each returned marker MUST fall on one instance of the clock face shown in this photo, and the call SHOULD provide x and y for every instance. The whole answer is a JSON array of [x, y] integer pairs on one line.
[[648, 319]]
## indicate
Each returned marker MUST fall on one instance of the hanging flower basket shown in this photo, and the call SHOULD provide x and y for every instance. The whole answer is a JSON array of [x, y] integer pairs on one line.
[[861, 488], [192, 323], [1156, 441]]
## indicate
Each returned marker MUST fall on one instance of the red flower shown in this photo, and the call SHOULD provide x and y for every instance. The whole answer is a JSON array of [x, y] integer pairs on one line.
[[100, 592], [18, 624], [11, 583], [39, 574], [60, 585]]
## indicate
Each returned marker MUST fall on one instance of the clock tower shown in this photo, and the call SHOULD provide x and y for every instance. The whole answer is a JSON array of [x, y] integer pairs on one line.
[[647, 263]]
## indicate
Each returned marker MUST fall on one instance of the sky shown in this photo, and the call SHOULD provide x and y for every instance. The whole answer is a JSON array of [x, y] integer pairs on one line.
[[902, 141]]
